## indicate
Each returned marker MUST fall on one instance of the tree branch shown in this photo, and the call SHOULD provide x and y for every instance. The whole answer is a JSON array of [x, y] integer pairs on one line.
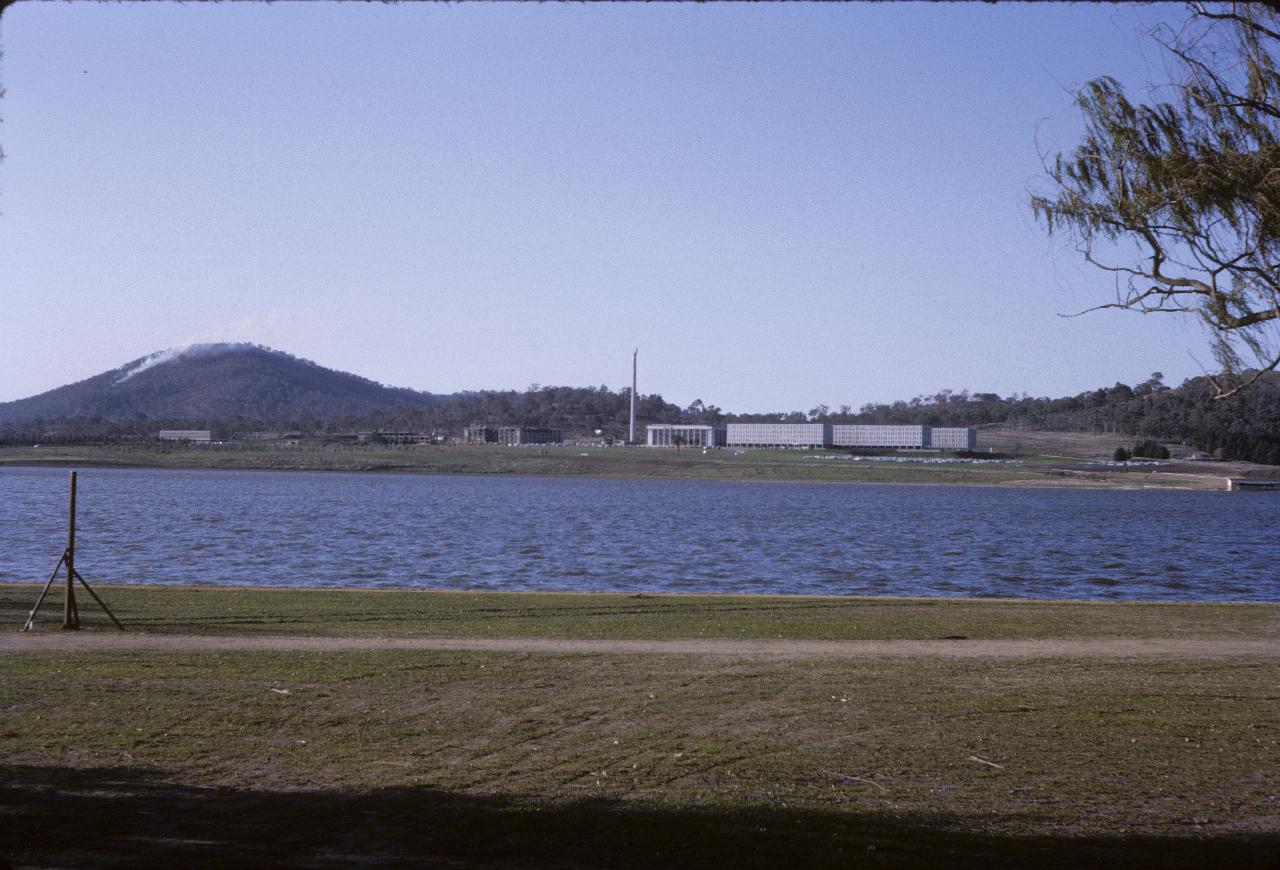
[[1204, 12], [1219, 393]]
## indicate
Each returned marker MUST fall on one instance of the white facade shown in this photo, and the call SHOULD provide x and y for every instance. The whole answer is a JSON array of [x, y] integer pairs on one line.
[[666, 435], [779, 435], [896, 437], [953, 439], [202, 435]]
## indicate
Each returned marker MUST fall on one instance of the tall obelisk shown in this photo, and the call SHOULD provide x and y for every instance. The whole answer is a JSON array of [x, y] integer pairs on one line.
[[631, 438]]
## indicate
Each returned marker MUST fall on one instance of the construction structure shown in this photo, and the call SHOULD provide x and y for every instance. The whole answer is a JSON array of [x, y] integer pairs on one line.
[[480, 435], [517, 435], [677, 435]]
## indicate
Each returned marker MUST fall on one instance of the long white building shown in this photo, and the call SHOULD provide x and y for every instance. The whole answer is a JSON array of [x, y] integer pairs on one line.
[[895, 437], [812, 435], [778, 435]]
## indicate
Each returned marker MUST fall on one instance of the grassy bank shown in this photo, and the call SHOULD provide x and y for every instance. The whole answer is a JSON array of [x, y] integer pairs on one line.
[[478, 759], [223, 610], [765, 465]]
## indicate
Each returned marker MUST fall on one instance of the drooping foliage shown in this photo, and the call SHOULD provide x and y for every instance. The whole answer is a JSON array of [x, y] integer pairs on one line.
[[1193, 181]]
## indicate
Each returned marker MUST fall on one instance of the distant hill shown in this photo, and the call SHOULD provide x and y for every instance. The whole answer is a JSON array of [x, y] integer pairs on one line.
[[239, 389], [209, 382]]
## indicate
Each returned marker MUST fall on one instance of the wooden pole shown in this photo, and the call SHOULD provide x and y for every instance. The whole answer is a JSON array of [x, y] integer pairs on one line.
[[70, 612], [70, 615]]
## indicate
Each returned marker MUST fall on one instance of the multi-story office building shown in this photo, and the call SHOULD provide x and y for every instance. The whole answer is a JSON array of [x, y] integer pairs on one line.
[[894, 437], [677, 435], [941, 438], [778, 435]]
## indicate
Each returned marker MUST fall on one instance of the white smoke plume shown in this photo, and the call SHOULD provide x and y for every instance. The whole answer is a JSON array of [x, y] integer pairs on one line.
[[175, 353]]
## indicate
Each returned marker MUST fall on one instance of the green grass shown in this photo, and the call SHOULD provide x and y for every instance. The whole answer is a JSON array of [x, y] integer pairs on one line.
[[407, 613], [518, 759], [758, 465], [484, 759]]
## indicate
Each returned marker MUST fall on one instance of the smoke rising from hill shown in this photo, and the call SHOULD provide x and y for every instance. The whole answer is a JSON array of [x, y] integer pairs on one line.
[[175, 353]]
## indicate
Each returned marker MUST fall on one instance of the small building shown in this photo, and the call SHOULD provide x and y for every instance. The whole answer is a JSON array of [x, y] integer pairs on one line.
[[202, 436], [401, 438], [516, 435], [679, 435], [1246, 484], [778, 435]]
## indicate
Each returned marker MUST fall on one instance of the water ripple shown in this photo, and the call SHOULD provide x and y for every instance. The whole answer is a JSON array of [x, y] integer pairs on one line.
[[281, 529]]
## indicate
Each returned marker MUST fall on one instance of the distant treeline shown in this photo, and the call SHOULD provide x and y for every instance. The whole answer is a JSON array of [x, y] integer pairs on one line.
[[1245, 427]]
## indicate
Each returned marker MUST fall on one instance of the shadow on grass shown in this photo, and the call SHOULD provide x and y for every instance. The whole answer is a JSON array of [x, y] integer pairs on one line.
[[124, 816]]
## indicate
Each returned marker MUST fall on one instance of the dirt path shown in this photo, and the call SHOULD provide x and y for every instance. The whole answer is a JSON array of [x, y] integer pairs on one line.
[[1201, 648]]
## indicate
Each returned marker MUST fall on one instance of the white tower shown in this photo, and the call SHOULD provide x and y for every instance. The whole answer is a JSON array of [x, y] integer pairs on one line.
[[631, 438]]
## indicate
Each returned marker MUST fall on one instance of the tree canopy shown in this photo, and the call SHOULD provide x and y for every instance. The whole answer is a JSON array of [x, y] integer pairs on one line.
[[1193, 182]]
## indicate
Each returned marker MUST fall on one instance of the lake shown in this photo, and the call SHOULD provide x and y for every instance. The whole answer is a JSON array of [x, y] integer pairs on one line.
[[528, 533]]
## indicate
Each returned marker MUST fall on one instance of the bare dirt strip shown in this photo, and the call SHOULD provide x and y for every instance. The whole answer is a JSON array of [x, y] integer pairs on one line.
[[958, 648]]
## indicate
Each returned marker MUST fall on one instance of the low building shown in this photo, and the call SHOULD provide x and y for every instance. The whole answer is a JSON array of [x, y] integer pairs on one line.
[[1242, 484], [942, 438], [528, 435], [778, 435], [203, 436], [887, 437], [401, 438], [680, 435]]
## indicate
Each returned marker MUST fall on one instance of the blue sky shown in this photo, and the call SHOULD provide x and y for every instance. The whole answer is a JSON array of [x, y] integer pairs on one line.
[[780, 204]]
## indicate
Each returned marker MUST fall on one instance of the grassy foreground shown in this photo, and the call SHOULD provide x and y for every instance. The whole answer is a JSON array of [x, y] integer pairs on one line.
[[193, 757]]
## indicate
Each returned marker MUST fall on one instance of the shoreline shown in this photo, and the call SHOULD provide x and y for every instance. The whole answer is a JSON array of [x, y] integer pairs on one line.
[[672, 595], [1049, 479], [215, 610]]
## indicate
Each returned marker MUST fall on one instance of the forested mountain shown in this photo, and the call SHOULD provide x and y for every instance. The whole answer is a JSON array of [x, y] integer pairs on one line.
[[236, 390], [212, 382]]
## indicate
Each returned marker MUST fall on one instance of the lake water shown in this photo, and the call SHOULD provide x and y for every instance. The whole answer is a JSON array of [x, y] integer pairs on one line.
[[524, 533]]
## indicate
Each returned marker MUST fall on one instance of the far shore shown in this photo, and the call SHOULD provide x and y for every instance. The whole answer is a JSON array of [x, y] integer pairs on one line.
[[1052, 471]]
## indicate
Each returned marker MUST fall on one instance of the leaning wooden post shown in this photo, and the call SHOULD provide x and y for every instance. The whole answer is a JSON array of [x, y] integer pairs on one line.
[[70, 615]]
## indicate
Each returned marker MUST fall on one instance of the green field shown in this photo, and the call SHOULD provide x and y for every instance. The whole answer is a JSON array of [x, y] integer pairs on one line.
[[231, 610], [205, 754], [758, 465]]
